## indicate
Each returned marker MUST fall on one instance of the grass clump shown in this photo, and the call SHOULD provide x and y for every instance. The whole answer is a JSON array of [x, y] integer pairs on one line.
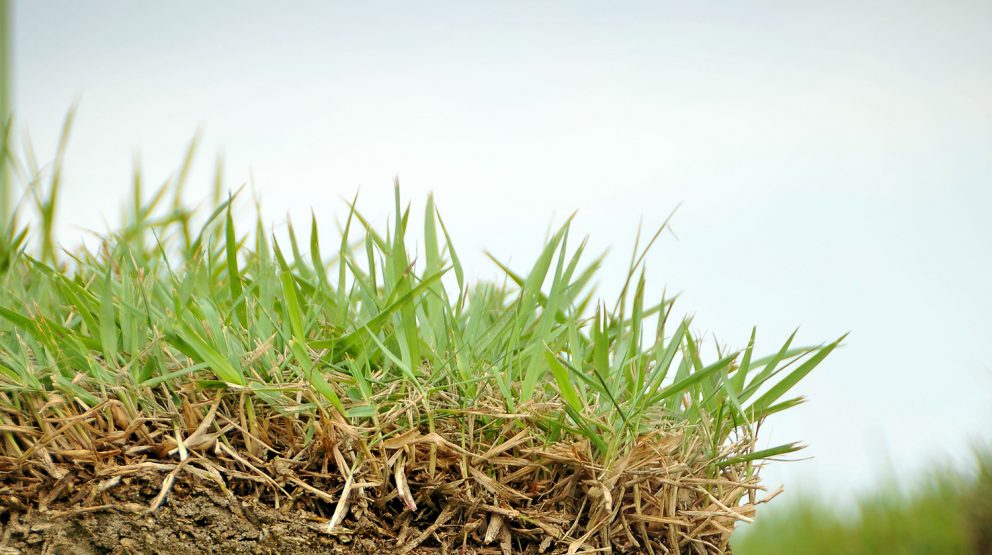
[[375, 388]]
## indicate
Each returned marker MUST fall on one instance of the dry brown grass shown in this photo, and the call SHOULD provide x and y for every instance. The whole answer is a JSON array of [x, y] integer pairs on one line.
[[450, 488]]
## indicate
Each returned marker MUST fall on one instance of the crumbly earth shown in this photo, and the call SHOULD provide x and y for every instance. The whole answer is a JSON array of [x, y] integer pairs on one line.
[[194, 520], [198, 522]]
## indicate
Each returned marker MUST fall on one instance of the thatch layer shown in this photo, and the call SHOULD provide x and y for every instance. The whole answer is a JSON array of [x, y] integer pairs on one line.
[[451, 487]]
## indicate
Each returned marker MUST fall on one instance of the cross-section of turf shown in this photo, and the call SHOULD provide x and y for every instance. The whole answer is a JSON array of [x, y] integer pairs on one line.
[[365, 392]]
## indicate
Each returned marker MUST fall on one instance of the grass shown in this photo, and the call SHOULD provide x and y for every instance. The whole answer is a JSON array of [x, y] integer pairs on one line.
[[949, 512], [5, 90], [370, 380]]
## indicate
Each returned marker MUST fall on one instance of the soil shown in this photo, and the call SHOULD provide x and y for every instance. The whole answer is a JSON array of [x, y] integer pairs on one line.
[[199, 523], [194, 520]]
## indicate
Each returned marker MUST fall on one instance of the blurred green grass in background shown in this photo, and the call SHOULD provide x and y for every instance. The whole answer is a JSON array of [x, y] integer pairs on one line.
[[5, 90], [948, 512]]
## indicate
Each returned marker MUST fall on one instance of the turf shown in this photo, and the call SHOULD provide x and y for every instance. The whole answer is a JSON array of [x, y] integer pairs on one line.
[[369, 383]]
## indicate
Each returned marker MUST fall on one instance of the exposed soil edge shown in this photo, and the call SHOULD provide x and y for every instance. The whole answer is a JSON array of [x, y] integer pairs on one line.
[[413, 493], [195, 519]]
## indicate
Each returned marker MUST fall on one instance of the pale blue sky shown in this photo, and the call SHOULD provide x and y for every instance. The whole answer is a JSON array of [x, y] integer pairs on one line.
[[832, 160]]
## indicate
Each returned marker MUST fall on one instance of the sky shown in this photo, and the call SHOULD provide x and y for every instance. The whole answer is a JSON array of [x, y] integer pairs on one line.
[[829, 162]]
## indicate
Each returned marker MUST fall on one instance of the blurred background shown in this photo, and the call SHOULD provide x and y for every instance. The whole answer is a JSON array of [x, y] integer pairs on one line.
[[830, 163]]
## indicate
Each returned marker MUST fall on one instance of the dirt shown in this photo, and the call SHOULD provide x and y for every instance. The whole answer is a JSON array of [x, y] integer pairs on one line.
[[196, 524], [193, 520]]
